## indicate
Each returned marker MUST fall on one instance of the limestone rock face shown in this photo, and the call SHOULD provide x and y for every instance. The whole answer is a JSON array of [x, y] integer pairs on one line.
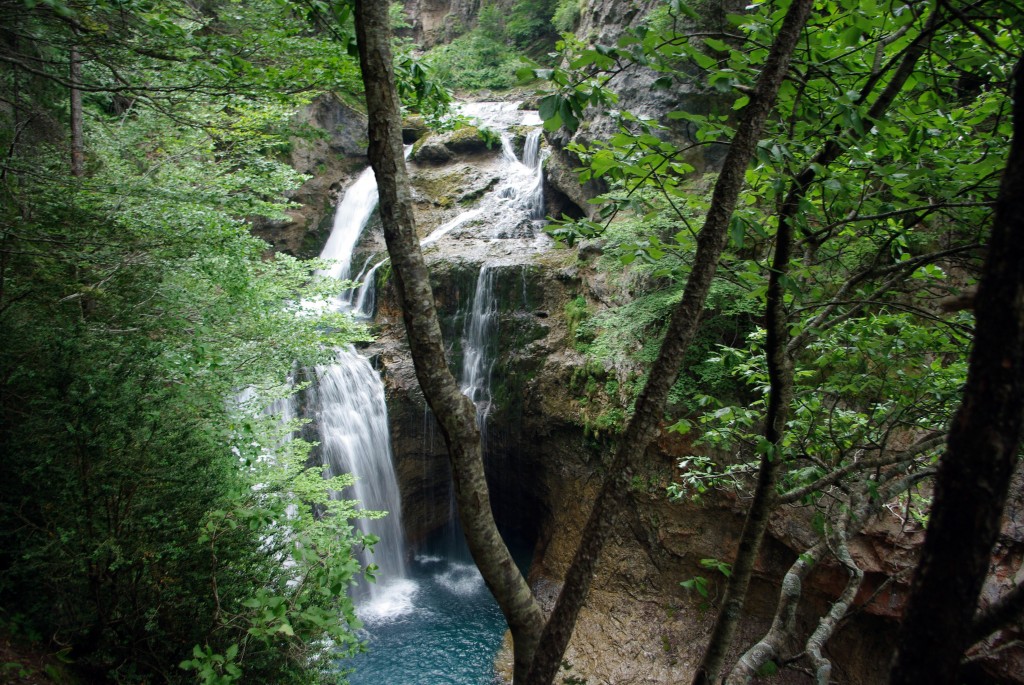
[[604, 22], [331, 163], [438, 21]]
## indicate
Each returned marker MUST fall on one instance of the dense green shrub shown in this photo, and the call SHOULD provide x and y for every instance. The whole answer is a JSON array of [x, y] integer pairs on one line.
[[145, 527], [567, 13], [475, 61]]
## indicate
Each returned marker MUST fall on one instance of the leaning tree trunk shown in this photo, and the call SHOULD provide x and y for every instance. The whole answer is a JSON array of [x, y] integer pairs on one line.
[[984, 439], [454, 411], [650, 405], [780, 393]]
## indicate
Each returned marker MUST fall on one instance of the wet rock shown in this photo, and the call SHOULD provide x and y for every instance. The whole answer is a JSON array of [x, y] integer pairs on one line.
[[333, 152], [561, 174], [413, 128], [431, 152]]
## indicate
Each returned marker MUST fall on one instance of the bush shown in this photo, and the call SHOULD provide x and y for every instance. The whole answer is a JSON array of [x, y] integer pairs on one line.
[[474, 62], [566, 15]]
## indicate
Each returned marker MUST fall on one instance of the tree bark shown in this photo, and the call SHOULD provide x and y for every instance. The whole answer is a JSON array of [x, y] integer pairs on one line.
[[455, 412], [974, 473], [644, 426], [770, 647], [77, 133], [780, 393]]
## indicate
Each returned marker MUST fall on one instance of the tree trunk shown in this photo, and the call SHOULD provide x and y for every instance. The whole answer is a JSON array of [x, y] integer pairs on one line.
[[644, 426], [780, 373], [455, 412], [77, 144], [780, 393], [974, 473]]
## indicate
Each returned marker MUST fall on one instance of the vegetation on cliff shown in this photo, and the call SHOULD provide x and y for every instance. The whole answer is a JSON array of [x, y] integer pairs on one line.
[[857, 239], [809, 320]]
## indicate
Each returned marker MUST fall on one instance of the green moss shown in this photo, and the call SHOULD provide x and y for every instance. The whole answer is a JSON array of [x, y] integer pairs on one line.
[[576, 312]]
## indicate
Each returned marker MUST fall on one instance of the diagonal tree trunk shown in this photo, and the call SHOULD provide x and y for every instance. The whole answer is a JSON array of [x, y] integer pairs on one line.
[[454, 411], [984, 440], [643, 427]]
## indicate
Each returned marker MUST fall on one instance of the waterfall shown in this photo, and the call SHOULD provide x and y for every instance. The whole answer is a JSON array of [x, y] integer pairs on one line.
[[531, 149], [366, 295], [352, 422], [533, 160], [481, 323], [350, 218], [450, 627], [351, 414]]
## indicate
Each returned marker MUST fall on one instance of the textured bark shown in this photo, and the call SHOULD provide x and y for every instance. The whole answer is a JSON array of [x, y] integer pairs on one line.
[[455, 412], [974, 473], [644, 426], [827, 625], [77, 133], [783, 628], [769, 647], [778, 351]]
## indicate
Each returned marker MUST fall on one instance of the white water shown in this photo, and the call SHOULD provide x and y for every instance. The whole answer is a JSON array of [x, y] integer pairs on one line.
[[475, 377], [352, 418], [518, 198], [349, 220], [349, 401]]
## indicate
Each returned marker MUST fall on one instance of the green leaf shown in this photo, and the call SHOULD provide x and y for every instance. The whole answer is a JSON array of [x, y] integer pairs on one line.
[[850, 36], [715, 44], [549, 106]]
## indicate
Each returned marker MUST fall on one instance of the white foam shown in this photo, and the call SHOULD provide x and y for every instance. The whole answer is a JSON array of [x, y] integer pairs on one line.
[[445, 229], [393, 600], [461, 579], [428, 559]]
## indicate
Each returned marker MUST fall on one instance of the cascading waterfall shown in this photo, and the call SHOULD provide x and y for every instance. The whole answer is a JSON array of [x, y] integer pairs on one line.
[[450, 628], [475, 377], [352, 422], [534, 160], [352, 419], [521, 193]]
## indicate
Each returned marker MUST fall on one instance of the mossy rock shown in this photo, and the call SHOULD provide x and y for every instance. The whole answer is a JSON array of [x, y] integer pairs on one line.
[[431, 151], [466, 140], [413, 128]]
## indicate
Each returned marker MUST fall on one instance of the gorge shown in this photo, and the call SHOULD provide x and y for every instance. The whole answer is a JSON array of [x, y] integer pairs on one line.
[[503, 291], [218, 463]]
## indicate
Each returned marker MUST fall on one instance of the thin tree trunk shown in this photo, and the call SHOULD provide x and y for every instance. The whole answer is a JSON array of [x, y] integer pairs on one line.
[[455, 412], [783, 628], [769, 647], [984, 439], [828, 623], [77, 143], [644, 426], [780, 374], [780, 382]]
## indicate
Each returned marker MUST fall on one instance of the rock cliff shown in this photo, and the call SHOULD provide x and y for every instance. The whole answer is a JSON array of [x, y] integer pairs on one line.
[[640, 625]]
